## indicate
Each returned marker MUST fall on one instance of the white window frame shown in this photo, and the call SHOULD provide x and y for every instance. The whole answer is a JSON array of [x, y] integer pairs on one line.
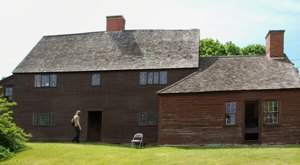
[[230, 113], [271, 112]]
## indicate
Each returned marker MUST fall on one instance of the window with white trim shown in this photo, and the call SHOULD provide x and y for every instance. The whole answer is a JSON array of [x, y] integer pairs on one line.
[[230, 113], [156, 77], [96, 79], [45, 80], [271, 112]]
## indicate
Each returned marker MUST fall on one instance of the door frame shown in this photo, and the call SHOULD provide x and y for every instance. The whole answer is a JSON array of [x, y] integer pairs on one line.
[[87, 124], [258, 103]]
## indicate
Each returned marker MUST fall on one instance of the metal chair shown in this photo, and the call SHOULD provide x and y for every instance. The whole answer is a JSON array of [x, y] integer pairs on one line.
[[137, 139]]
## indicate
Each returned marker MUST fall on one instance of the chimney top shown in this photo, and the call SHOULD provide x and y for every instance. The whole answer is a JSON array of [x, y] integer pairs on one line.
[[114, 16], [274, 31], [275, 44], [115, 23]]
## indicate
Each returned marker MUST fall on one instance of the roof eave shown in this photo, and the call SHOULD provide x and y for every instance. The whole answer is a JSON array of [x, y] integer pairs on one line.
[[170, 93]]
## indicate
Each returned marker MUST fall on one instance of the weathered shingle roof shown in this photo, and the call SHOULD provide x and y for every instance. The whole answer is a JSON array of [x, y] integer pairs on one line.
[[124, 50], [237, 73]]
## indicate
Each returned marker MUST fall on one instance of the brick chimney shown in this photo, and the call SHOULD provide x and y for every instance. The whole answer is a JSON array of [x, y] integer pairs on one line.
[[274, 44], [115, 23]]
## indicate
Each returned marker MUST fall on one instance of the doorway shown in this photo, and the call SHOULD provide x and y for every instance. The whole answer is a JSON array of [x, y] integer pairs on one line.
[[94, 126], [252, 127]]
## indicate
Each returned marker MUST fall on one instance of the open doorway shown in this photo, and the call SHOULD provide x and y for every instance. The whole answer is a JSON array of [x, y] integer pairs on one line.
[[252, 128], [94, 126]]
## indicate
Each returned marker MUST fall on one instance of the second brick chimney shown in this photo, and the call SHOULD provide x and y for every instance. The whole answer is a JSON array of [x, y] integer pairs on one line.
[[115, 23], [275, 44]]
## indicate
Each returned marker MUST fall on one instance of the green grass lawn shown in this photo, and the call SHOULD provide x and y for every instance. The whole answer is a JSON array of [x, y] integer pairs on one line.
[[67, 153]]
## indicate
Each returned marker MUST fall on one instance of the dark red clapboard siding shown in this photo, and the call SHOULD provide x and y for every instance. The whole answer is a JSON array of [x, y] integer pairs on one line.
[[200, 118]]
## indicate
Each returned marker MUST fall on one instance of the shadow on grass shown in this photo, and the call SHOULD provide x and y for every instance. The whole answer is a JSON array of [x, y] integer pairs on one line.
[[25, 148]]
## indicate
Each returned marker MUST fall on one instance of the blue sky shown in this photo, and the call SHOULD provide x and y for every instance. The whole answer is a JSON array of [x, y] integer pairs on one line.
[[23, 23]]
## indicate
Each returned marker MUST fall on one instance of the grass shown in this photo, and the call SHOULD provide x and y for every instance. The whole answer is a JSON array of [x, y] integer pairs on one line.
[[67, 153]]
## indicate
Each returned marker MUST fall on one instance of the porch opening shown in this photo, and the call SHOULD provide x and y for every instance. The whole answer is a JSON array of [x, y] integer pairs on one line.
[[251, 130]]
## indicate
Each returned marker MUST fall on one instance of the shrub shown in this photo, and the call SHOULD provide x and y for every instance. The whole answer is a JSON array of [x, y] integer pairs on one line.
[[12, 138], [4, 153]]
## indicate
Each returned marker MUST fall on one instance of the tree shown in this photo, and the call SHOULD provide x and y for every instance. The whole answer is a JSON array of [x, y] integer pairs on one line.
[[210, 47], [12, 138], [253, 49], [231, 49]]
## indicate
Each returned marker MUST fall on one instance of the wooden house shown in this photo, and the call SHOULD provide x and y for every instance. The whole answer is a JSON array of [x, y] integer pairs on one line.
[[112, 76], [234, 100], [153, 82]]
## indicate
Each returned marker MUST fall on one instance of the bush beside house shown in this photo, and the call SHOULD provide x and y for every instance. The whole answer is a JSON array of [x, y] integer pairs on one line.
[[12, 137]]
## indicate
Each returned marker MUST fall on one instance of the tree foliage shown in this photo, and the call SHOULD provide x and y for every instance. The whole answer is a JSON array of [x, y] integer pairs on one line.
[[231, 49], [211, 47], [12, 138], [253, 49]]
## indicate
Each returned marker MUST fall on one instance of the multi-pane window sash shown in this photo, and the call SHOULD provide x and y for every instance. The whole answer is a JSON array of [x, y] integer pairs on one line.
[[43, 119], [271, 112], [9, 93], [96, 79], [157, 77], [45, 80], [230, 113], [146, 118]]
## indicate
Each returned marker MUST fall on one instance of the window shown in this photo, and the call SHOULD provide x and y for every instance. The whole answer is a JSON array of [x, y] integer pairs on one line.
[[163, 77], [53, 80], [230, 113], [271, 112], [45, 80], [43, 119], [150, 77], [143, 78], [146, 118], [96, 79], [8, 93], [153, 77]]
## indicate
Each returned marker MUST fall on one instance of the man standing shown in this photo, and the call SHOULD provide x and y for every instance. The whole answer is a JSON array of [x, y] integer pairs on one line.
[[77, 126]]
